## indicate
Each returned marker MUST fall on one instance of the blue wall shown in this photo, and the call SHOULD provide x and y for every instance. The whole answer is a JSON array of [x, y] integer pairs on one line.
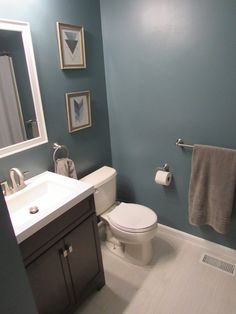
[[89, 148], [170, 73]]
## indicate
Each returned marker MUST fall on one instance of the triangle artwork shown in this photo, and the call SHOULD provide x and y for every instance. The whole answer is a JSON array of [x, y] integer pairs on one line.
[[71, 41]]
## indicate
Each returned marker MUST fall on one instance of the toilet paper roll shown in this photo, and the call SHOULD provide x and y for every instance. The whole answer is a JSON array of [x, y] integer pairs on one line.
[[163, 177]]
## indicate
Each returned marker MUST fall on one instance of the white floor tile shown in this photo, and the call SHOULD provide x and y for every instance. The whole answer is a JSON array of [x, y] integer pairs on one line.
[[174, 283]]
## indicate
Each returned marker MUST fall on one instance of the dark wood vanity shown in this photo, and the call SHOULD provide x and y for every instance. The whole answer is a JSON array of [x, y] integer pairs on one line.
[[63, 260]]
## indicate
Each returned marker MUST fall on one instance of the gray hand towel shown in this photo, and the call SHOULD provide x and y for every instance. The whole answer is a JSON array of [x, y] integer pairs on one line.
[[212, 186], [65, 167]]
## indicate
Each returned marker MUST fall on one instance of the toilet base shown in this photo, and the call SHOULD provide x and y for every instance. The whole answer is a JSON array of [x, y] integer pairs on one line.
[[138, 254], [115, 248], [113, 244]]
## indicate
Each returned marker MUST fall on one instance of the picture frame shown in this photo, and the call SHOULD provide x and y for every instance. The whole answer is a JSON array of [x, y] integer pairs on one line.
[[71, 46], [78, 110]]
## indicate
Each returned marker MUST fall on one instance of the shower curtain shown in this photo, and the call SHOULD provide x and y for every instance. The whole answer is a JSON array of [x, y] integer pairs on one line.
[[12, 129]]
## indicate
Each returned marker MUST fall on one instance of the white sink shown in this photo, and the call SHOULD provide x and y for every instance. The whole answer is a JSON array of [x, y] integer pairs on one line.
[[52, 194]]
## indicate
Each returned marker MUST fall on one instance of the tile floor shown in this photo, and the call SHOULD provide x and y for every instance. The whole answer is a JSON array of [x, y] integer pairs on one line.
[[174, 283]]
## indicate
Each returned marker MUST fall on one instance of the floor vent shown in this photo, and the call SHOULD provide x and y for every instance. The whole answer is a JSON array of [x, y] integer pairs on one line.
[[220, 264]]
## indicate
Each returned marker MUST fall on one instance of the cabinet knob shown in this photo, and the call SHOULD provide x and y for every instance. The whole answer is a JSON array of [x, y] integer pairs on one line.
[[70, 249], [65, 253]]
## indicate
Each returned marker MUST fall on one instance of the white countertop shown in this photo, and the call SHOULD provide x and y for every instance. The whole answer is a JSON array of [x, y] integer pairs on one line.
[[53, 194]]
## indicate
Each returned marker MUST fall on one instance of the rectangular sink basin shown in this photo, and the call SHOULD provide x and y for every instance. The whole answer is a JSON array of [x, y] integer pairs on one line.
[[50, 195]]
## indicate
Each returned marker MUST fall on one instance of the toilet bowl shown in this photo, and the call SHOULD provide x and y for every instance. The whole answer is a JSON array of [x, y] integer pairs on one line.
[[129, 227]]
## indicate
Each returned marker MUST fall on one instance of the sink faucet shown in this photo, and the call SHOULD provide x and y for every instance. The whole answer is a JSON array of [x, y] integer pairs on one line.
[[5, 188], [17, 184]]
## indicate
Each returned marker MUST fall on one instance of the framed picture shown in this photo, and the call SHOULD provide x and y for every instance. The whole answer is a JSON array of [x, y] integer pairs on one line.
[[78, 110], [71, 46]]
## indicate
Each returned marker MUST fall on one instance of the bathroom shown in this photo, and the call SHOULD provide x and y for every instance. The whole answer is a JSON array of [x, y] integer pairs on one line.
[[157, 71]]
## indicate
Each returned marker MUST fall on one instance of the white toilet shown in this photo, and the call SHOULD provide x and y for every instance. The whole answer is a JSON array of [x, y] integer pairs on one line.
[[129, 227]]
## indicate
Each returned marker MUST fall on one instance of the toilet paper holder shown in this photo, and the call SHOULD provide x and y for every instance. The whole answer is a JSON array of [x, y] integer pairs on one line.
[[165, 167]]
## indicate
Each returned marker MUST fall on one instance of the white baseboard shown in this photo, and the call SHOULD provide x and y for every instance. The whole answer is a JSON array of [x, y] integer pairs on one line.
[[198, 241]]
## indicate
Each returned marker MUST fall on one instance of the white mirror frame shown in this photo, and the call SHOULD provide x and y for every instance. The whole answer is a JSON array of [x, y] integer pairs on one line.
[[24, 28]]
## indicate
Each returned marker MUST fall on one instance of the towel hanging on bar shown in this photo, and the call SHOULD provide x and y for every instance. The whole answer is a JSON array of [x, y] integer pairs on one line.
[[212, 186], [65, 167]]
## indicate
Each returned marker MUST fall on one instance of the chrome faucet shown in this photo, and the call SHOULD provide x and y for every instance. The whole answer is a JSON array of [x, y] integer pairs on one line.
[[17, 184], [6, 188]]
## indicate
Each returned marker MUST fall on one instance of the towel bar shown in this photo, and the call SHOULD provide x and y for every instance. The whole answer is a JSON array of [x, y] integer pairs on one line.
[[56, 147], [180, 143]]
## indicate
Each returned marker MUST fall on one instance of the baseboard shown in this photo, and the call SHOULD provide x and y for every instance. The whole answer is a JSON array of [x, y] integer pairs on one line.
[[198, 241], [206, 244]]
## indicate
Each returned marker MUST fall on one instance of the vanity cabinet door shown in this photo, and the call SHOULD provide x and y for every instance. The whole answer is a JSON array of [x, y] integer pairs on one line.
[[84, 260], [50, 281]]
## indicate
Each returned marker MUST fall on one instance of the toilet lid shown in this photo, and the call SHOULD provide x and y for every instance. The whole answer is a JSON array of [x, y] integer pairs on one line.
[[133, 217]]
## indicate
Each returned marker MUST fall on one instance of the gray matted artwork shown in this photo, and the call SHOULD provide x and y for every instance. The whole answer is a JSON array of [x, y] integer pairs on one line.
[[71, 46], [78, 110]]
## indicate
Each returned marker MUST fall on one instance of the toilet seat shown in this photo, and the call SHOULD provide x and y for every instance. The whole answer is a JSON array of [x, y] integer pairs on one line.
[[133, 218]]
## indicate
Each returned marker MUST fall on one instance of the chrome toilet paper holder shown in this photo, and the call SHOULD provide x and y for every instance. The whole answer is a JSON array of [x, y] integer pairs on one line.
[[165, 167]]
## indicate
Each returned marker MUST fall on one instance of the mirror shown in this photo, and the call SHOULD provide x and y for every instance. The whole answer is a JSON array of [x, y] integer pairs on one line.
[[22, 124]]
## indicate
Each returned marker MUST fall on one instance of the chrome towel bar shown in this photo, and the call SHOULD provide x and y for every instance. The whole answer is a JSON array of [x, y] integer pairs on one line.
[[180, 143], [57, 147]]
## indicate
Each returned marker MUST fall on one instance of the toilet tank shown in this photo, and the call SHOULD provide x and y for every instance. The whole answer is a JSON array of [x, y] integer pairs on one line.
[[104, 181]]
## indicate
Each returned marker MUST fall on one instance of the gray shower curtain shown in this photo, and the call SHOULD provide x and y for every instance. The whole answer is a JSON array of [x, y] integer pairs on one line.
[[12, 128]]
